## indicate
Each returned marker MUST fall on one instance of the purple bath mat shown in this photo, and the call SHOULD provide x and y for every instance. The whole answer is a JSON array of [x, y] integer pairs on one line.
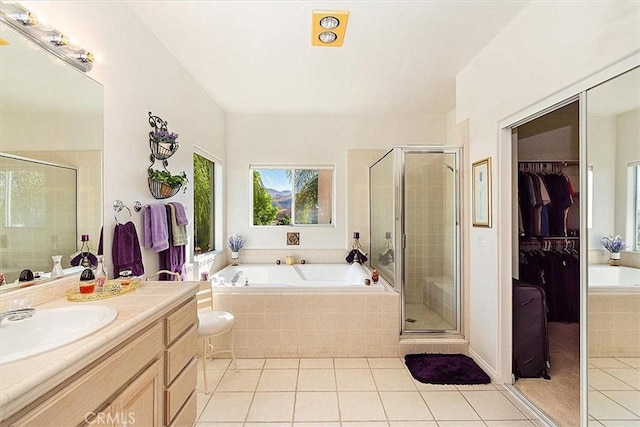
[[445, 369]]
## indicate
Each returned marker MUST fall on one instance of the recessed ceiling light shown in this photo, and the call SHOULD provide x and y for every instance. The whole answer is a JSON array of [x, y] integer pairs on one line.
[[329, 22], [328, 28], [327, 37]]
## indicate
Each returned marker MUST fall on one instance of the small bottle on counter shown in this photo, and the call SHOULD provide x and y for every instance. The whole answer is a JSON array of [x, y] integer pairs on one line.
[[375, 276], [100, 274], [87, 282]]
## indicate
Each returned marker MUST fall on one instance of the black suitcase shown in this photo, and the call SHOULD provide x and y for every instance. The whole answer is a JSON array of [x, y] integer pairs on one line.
[[530, 338]]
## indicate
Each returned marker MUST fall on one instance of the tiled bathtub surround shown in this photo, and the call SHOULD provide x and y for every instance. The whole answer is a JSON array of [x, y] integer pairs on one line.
[[269, 256], [284, 324], [614, 325], [322, 324]]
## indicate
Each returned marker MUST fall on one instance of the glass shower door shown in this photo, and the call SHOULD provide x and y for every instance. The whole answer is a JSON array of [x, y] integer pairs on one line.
[[430, 261], [382, 217]]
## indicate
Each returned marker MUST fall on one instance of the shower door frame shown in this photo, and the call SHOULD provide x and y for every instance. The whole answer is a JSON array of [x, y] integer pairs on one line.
[[401, 237]]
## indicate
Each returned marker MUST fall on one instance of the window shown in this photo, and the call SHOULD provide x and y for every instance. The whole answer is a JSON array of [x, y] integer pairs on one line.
[[637, 207], [292, 196], [203, 204]]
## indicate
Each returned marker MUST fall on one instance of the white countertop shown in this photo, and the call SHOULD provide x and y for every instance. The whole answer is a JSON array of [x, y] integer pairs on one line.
[[23, 381]]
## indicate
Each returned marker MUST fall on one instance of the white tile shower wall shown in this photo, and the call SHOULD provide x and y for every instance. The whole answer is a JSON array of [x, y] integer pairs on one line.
[[428, 212], [614, 325], [88, 164], [358, 163], [312, 324]]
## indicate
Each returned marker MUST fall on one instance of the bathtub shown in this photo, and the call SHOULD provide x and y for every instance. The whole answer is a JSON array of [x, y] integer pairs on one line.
[[606, 278], [614, 311], [302, 277], [310, 310]]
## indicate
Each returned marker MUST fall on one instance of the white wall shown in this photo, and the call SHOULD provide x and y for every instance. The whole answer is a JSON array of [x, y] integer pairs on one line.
[[138, 76], [549, 46], [311, 140], [601, 154]]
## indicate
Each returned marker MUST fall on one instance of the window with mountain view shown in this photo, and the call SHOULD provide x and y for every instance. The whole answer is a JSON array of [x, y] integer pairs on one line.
[[292, 196]]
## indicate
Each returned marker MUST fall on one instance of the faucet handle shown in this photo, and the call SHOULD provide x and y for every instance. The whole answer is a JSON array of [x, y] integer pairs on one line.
[[19, 303]]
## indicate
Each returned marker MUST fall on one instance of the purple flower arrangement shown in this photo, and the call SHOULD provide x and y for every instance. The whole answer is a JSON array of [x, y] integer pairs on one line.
[[614, 244], [162, 135], [236, 242]]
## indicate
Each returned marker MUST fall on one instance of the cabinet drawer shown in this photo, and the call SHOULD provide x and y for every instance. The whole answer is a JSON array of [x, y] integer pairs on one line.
[[99, 384], [180, 390], [179, 321], [187, 415], [180, 353]]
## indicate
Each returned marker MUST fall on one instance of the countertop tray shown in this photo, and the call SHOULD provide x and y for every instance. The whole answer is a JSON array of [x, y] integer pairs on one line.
[[112, 288]]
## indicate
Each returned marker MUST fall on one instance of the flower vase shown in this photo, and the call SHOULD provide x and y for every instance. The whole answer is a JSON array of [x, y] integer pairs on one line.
[[614, 258], [235, 260]]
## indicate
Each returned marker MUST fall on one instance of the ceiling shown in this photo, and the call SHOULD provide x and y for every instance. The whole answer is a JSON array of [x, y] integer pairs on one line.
[[256, 57]]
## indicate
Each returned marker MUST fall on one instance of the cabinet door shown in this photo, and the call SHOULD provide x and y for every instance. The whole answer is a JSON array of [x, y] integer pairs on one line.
[[140, 403]]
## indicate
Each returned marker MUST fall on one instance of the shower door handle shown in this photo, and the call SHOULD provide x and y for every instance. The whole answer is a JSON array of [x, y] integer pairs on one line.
[[404, 241]]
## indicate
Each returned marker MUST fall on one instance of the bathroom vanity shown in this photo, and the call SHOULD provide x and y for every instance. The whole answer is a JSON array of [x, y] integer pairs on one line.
[[138, 370]]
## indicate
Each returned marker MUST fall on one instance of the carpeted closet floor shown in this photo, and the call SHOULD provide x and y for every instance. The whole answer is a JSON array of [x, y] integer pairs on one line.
[[559, 397]]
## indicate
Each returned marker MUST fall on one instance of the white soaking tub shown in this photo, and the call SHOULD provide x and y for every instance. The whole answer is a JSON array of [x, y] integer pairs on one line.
[[303, 277], [607, 278]]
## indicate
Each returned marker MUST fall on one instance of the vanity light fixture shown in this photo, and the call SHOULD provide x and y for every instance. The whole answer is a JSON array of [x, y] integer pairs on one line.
[[328, 28], [26, 18], [58, 39], [26, 24]]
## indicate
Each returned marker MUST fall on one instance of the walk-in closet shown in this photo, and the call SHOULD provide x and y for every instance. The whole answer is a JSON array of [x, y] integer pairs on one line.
[[546, 340]]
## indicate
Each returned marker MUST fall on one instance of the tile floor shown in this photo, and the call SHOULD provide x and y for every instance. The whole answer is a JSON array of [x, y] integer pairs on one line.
[[353, 392], [614, 392]]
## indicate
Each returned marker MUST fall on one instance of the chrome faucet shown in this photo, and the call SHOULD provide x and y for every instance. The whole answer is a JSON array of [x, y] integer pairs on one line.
[[18, 314], [235, 278]]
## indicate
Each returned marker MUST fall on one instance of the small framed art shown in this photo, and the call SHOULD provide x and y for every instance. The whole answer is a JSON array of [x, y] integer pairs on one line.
[[481, 203]]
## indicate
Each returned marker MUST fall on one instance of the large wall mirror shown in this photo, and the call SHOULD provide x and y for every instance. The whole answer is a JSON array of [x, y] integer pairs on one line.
[[50, 158], [613, 156]]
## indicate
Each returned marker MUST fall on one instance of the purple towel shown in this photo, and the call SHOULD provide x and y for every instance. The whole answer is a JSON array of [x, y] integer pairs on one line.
[[181, 214], [125, 250], [156, 233]]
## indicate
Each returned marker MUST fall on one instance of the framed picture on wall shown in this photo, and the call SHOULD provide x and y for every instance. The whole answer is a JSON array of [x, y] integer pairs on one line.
[[481, 202]]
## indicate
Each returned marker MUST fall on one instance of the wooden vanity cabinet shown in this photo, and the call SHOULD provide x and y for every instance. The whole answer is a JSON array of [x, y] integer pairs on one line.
[[180, 365], [149, 380]]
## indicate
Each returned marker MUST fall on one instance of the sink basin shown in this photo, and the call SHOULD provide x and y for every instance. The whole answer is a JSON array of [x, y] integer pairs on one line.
[[51, 328]]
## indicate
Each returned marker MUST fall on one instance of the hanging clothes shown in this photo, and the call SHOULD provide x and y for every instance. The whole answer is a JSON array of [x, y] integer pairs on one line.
[[125, 251], [558, 273], [544, 199]]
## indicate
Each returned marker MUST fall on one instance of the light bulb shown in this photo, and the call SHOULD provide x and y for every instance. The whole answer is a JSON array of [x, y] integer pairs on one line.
[[327, 37], [329, 22]]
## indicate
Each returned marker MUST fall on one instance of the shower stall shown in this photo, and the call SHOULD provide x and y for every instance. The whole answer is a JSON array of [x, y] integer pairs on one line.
[[415, 234]]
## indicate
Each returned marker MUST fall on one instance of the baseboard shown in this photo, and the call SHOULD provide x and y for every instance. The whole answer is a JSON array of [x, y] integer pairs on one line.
[[495, 378]]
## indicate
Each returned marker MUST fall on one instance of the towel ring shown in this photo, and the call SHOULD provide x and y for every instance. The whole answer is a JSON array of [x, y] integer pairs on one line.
[[118, 205]]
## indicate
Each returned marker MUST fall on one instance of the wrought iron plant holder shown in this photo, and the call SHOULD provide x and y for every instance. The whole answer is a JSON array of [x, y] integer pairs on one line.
[[162, 148]]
